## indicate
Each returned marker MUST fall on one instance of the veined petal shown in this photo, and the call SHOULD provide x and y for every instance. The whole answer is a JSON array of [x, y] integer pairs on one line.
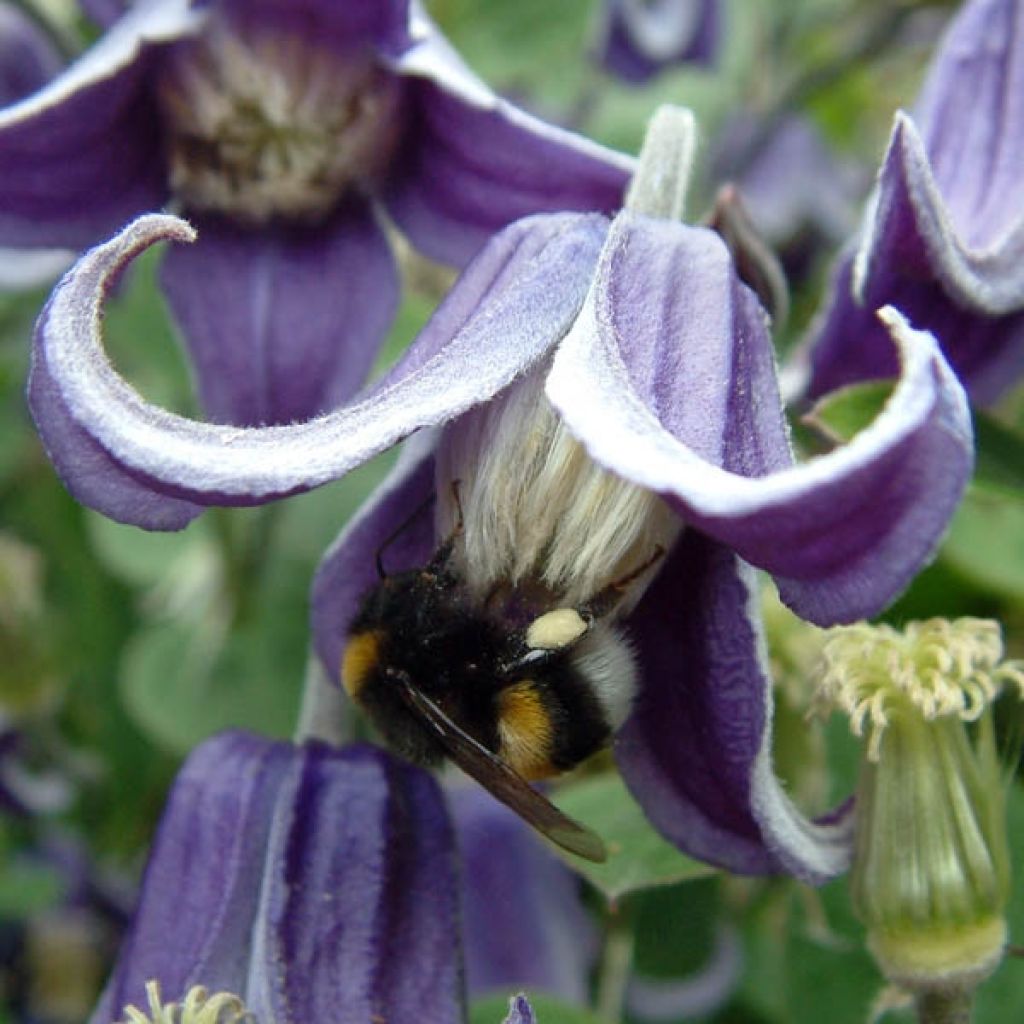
[[844, 533], [81, 156], [696, 752], [471, 162], [510, 307], [359, 910], [199, 894], [314, 883], [272, 340]]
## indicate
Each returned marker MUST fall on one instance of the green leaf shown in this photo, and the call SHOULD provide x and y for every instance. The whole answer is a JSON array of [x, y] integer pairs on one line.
[[180, 685], [638, 858], [841, 414], [140, 557], [986, 540], [494, 1010], [1000, 455]]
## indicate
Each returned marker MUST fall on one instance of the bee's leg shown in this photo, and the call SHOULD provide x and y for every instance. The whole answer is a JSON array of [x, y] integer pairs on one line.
[[608, 597], [403, 526]]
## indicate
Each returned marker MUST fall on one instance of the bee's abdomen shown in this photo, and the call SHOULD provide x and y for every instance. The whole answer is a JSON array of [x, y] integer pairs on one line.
[[548, 725]]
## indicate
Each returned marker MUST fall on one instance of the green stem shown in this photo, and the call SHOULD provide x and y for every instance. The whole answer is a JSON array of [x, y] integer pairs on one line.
[[953, 1007], [616, 967]]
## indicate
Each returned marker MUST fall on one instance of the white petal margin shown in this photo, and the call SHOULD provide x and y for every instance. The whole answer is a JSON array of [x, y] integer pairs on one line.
[[531, 280], [433, 58], [990, 279], [589, 385], [149, 21]]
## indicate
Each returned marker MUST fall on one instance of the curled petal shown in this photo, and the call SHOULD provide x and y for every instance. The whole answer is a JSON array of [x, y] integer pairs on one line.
[[696, 752], [471, 162], [943, 237], [81, 156], [515, 302], [685, 403]]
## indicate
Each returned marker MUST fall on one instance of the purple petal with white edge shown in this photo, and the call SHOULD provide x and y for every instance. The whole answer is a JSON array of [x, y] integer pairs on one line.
[[314, 883], [202, 884], [285, 322], [471, 162], [696, 751], [639, 39], [82, 156], [685, 404], [520, 1011], [506, 312], [523, 919], [359, 914], [28, 57], [913, 257], [349, 567]]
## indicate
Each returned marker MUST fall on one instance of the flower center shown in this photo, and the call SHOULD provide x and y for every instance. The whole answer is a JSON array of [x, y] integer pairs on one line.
[[931, 670], [275, 125], [198, 1007]]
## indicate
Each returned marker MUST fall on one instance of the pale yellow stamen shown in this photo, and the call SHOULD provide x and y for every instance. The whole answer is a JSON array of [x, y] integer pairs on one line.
[[932, 669], [198, 1007]]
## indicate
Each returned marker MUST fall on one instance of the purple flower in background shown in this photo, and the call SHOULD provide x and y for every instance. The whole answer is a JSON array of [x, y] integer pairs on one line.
[[800, 196], [284, 130], [310, 883], [638, 39], [943, 236]]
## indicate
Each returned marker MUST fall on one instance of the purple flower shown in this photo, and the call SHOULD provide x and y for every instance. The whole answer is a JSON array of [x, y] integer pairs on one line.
[[284, 129], [943, 236], [639, 39], [632, 351], [312, 883]]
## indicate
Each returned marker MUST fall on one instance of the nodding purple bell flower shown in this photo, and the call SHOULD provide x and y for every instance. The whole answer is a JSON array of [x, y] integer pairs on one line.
[[943, 235], [303, 883], [638, 39], [631, 352], [285, 130]]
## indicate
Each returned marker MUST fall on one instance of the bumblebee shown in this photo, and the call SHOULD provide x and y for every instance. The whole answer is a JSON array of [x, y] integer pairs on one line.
[[504, 652]]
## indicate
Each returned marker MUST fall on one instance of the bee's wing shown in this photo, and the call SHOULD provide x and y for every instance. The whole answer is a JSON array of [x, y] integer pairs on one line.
[[500, 780]]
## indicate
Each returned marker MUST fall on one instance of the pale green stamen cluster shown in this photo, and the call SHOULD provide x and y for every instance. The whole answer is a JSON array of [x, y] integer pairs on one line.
[[931, 670], [198, 1007]]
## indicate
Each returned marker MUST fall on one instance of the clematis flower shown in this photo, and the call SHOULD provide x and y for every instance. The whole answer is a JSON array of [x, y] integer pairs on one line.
[[943, 236], [639, 39], [303, 883], [284, 131], [634, 350]]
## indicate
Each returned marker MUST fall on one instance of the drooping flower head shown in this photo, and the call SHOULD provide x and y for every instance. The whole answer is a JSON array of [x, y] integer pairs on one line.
[[284, 131], [943, 235], [674, 416]]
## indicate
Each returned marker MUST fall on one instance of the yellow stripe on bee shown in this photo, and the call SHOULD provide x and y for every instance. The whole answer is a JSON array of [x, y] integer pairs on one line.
[[525, 731], [360, 659]]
